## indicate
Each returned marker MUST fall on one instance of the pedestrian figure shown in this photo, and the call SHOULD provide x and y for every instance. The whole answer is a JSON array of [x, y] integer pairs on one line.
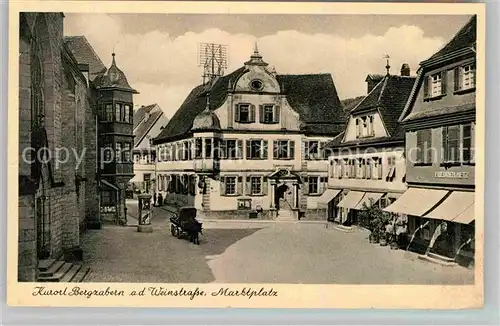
[[154, 199], [160, 200]]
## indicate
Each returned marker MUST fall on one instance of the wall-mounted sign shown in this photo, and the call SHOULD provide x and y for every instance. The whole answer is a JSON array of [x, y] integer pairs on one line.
[[451, 174]]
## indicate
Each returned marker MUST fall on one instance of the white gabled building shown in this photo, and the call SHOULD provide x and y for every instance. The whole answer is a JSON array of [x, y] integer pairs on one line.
[[250, 142]]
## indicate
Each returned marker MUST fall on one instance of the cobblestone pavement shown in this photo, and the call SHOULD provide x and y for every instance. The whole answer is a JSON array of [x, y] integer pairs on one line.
[[255, 252]]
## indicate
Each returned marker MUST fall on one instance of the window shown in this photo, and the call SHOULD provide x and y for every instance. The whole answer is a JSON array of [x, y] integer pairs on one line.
[[368, 168], [256, 85], [335, 169], [352, 168], [230, 185], [391, 164], [126, 152], [360, 172], [108, 198], [108, 112], [256, 149], [167, 153], [284, 149], [424, 146], [118, 152], [364, 126], [377, 168], [245, 113], [465, 77], [108, 151], [118, 112], [244, 203], [269, 113], [435, 85], [458, 144], [198, 148], [208, 147], [189, 150], [255, 185], [127, 113], [311, 149], [313, 185]]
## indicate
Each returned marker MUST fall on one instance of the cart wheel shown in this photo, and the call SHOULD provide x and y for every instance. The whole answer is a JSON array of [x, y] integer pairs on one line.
[[173, 230], [179, 233]]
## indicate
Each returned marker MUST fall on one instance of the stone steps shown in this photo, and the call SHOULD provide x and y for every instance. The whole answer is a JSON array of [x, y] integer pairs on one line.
[[51, 270], [285, 215]]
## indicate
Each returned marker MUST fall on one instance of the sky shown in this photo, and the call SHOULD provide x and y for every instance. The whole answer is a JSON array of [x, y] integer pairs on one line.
[[158, 52]]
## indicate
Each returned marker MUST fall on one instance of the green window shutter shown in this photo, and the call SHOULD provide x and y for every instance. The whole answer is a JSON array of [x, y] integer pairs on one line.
[[239, 154], [264, 149], [276, 115], [264, 186], [239, 186], [248, 149], [248, 185], [261, 113], [222, 186], [236, 113], [252, 113], [444, 79], [426, 86], [456, 79]]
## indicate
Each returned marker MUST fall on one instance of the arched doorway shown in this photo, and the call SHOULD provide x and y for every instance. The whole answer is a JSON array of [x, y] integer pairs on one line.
[[279, 195]]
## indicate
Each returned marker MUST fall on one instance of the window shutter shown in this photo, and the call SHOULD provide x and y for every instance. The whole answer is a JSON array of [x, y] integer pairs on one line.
[[420, 147], [305, 186], [306, 149], [252, 113], [427, 139], [222, 185], [379, 168], [264, 186], [236, 113], [444, 75], [426, 86], [456, 78], [473, 142], [261, 113], [444, 151], [372, 129], [275, 149], [291, 149], [223, 148], [248, 185], [239, 186], [264, 149], [239, 153], [358, 128], [276, 116], [248, 148]]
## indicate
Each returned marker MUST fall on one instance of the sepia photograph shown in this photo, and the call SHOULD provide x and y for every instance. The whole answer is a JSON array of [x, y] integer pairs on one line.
[[231, 148]]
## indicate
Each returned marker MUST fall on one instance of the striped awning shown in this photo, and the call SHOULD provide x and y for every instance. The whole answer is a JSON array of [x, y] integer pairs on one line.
[[416, 201], [352, 199]]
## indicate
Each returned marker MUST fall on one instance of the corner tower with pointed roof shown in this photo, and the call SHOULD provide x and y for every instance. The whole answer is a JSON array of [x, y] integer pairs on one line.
[[115, 135]]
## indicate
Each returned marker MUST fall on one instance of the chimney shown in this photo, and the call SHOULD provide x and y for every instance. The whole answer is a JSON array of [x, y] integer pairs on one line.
[[405, 70]]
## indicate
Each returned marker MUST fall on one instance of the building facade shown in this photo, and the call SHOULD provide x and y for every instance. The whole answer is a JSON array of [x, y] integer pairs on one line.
[[367, 162], [57, 141], [439, 121], [149, 121], [248, 144]]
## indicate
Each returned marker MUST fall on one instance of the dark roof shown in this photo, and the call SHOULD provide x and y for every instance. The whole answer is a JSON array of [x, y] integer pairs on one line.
[[440, 111], [113, 78], [350, 103], [314, 97], [389, 97], [146, 125], [140, 113], [466, 37], [374, 77], [85, 54]]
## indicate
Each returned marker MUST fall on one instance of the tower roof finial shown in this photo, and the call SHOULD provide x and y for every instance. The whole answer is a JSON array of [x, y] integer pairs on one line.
[[387, 66], [113, 62], [256, 48]]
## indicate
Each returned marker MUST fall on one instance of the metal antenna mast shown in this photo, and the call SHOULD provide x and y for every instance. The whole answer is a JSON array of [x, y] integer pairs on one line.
[[213, 58]]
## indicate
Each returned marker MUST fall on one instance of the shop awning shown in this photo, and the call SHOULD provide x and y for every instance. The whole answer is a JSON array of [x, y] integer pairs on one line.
[[467, 216], [416, 201], [109, 184], [369, 199], [456, 203], [352, 199], [328, 195]]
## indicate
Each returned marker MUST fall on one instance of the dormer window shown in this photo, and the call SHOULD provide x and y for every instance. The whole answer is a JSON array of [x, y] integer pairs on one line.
[[245, 113], [269, 113], [465, 77], [364, 126], [435, 85]]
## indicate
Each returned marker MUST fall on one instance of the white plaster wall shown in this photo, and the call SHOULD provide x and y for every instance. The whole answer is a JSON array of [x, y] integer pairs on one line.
[[378, 126]]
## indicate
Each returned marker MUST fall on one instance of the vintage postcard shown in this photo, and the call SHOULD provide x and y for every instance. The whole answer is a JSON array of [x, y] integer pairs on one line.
[[307, 155]]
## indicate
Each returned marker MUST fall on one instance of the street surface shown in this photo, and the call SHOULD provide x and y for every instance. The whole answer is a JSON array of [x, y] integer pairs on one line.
[[254, 252]]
